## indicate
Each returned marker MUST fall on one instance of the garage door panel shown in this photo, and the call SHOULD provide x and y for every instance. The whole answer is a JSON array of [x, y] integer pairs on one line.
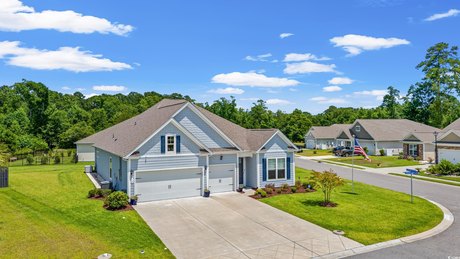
[[161, 185], [450, 155], [221, 178]]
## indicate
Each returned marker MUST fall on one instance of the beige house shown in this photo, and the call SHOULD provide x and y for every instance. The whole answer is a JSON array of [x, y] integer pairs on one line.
[[326, 137], [449, 143]]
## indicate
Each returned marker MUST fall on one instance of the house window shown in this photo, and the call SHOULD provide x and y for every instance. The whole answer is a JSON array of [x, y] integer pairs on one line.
[[171, 144], [358, 128], [276, 168], [413, 150]]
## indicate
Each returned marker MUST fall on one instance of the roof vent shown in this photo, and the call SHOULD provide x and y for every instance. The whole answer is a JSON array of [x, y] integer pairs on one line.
[[135, 123], [113, 135]]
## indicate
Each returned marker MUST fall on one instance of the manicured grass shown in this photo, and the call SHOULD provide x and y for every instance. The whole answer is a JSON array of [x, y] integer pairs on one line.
[[442, 177], [370, 215], [376, 161], [45, 214], [336, 163], [434, 180], [311, 152]]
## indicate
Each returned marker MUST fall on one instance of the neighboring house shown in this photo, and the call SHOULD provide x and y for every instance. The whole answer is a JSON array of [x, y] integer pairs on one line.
[[326, 137], [419, 145], [449, 143], [176, 149], [390, 134], [85, 150]]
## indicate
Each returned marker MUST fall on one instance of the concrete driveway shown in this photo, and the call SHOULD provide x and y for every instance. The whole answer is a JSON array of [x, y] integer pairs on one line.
[[232, 225]]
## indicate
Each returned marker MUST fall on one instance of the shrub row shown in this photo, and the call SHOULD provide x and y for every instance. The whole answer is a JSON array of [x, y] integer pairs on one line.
[[444, 168], [112, 200]]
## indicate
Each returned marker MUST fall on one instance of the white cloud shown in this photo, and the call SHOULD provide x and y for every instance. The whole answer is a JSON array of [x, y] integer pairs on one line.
[[332, 88], [450, 13], [65, 88], [80, 89], [228, 90], [294, 57], [109, 88], [66, 58], [262, 57], [340, 81], [87, 96], [278, 102], [325, 100], [293, 89], [285, 35], [252, 99], [253, 79], [356, 44], [379, 94], [308, 67], [15, 16]]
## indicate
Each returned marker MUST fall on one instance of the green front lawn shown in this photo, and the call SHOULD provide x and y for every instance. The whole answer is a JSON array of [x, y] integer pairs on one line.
[[372, 215], [45, 214], [315, 152], [442, 177], [376, 161]]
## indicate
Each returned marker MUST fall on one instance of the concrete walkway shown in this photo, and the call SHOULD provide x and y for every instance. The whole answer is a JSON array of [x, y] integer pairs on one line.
[[232, 225]]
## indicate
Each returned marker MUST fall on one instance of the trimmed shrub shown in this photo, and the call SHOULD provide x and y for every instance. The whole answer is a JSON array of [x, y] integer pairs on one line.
[[44, 160], [445, 167], [270, 185], [298, 183], [410, 158], [293, 189], [116, 200], [305, 185], [278, 191], [263, 194], [285, 187], [92, 193], [29, 159], [268, 190], [57, 159], [314, 152], [382, 152]]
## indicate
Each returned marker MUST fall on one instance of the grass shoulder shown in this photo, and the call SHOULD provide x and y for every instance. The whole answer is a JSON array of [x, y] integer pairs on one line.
[[376, 161], [46, 214], [315, 152], [430, 179], [370, 215]]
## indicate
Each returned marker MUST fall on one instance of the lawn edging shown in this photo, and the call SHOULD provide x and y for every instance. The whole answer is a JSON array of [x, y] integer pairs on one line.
[[429, 179], [446, 222]]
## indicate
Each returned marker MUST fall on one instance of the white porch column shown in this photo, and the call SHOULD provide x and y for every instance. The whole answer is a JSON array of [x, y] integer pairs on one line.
[[128, 177]]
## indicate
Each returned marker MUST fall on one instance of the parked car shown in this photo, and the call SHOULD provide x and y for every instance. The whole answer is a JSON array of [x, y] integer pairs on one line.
[[346, 152], [337, 150]]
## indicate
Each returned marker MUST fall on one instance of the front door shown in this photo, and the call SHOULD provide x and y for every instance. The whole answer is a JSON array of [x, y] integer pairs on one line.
[[241, 170]]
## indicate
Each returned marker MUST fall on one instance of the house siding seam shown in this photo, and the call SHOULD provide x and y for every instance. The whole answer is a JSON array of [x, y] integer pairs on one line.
[[200, 129], [177, 161]]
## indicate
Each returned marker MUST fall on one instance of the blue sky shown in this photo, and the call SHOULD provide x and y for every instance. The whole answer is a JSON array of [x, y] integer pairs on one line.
[[342, 53]]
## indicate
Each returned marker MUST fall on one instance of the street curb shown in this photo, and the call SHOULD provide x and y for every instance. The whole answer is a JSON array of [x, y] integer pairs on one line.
[[446, 222]]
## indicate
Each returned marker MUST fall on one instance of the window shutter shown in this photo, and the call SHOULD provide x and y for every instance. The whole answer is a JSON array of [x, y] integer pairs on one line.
[[288, 174], [264, 169], [178, 144], [163, 144]]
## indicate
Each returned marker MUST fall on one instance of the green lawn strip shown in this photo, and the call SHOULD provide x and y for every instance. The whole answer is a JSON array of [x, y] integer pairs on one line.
[[442, 177], [311, 152], [434, 180], [384, 161], [45, 213], [327, 161], [370, 216]]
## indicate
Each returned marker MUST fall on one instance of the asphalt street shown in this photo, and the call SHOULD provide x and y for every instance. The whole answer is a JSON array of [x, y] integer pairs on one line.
[[444, 245]]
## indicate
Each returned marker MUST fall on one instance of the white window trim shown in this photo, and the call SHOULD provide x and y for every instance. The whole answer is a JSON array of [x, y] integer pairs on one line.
[[414, 150], [166, 144], [276, 169], [358, 128]]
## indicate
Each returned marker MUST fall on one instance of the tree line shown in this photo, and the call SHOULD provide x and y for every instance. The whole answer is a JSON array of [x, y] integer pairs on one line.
[[33, 117]]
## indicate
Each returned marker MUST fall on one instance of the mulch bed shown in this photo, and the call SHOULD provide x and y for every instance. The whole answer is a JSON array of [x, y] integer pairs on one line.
[[276, 190], [128, 207]]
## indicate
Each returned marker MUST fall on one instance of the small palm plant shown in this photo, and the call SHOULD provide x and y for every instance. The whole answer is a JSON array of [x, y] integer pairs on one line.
[[326, 181]]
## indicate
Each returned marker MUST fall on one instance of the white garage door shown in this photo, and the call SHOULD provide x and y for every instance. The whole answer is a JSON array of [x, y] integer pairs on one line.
[[450, 155], [168, 184], [310, 144], [221, 178]]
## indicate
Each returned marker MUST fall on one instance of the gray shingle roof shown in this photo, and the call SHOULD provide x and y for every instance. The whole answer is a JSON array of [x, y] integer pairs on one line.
[[453, 126], [330, 132], [393, 129], [124, 137]]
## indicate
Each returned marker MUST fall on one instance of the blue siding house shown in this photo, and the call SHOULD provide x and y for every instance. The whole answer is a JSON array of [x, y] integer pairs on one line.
[[177, 149]]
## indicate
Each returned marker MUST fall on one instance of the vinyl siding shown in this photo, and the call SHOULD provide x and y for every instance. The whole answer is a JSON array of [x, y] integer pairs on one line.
[[165, 162], [276, 148], [85, 152], [226, 159], [118, 165], [200, 129]]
